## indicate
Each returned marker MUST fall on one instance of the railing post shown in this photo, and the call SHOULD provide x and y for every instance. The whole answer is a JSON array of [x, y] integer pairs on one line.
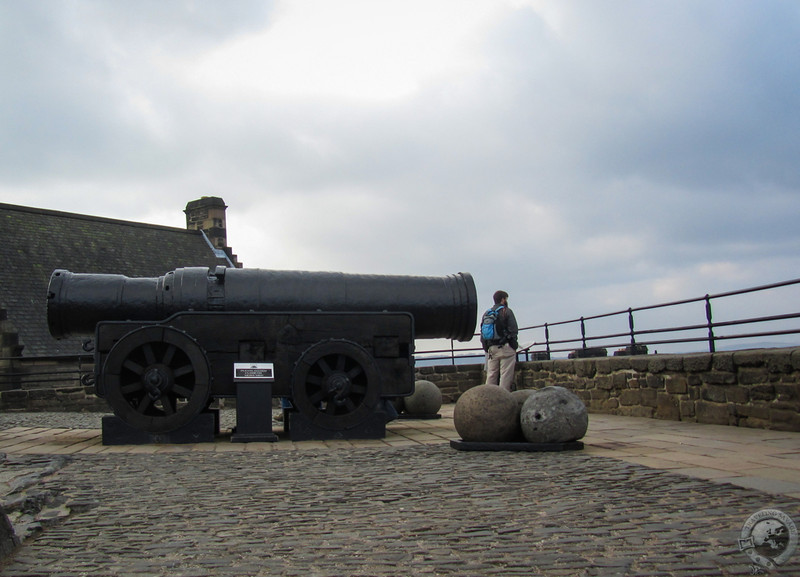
[[711, 345], [583, 333], [452, 354], [547, 338], [630, 324]]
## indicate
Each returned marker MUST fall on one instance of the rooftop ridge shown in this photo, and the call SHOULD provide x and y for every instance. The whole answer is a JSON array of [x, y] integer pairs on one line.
[[90, 218]]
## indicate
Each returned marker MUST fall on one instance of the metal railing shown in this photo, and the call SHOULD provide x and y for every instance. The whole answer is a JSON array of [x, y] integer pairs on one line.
[[18, 373], [633, 340], [44, 372]]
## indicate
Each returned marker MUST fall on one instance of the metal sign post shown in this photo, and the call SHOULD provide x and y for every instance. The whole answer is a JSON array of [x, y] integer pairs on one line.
[[253, 402]]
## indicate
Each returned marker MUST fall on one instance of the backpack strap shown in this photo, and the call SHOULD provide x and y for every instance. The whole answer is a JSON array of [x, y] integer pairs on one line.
[[500, 326]]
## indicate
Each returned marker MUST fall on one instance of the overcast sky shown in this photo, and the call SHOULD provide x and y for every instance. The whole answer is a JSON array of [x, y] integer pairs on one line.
[[584, 156]]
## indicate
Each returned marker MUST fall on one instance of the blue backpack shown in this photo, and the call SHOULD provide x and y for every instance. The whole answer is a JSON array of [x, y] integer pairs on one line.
[[489, 331]]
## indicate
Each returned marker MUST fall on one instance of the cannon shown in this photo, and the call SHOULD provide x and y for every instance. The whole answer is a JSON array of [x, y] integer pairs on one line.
[[338, 347]]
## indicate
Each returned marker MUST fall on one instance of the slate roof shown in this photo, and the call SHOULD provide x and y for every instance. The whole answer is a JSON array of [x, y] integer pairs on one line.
[[34, 242]]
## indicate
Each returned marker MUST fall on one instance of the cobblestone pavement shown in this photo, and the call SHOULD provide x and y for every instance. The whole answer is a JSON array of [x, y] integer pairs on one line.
[[416, 510]]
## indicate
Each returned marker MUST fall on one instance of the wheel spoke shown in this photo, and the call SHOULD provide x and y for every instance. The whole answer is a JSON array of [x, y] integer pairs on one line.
[[169, 354], [318, 397], [144, 404], [149, 354], [184, 392], [132, 388], [133, 367], [322, 364], [354, 372], [168, 403], [340, 362], [184, 370]]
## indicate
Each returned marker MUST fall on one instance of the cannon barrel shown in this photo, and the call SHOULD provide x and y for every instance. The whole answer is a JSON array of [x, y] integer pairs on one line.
[[442, 307]]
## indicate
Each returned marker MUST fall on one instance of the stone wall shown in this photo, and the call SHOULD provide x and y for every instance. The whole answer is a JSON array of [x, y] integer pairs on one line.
[[71, 398], [48, 384], [753, 388]]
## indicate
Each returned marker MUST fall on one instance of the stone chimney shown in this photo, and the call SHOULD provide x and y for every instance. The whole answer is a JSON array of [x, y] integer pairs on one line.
[[208, 214]]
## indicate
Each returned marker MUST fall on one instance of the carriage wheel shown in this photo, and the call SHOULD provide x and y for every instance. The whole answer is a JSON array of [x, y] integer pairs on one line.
[[336, 384], [157, 379]]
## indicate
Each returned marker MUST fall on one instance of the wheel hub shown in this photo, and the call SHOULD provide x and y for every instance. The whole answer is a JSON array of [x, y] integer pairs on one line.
[[338, 386], [156, 380]]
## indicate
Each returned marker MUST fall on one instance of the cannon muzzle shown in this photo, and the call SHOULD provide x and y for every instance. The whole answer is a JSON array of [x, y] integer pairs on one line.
[[442, 307]]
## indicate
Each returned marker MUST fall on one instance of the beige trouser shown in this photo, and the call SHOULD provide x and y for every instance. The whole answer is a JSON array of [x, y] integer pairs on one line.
[[500, 363]]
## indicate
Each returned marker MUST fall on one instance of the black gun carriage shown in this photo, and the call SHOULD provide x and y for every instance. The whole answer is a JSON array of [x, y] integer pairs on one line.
[[338, 347]]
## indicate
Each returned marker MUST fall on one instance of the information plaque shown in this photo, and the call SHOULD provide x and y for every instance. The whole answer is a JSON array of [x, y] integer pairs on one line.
[[262, 372]]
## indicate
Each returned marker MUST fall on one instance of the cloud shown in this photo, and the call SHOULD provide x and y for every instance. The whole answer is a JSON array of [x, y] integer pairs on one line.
[[582, 156], [360, 51]]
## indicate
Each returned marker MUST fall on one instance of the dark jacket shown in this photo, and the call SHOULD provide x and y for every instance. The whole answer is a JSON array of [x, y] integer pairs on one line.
[[509, 328]]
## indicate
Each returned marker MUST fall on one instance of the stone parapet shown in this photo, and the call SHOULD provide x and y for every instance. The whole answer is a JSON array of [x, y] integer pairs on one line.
[[72, 398], [757, 388], [453, 380]]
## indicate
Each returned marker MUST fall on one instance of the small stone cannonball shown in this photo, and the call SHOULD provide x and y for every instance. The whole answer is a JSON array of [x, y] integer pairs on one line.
[[425, 400], [486, 414], [553, 415]]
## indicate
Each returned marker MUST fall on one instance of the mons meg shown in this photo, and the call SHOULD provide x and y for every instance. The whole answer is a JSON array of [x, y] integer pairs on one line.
[[339, 345]]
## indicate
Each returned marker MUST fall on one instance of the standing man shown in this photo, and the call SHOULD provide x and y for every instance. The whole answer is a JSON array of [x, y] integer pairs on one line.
[[501, 351]]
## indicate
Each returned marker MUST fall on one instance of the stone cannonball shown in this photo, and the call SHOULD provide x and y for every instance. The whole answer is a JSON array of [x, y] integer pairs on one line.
[[486, 414], [425, 400], [553, 415]]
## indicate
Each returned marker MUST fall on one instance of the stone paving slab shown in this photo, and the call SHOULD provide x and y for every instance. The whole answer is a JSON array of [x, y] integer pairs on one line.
[[417, 510], [753, 458]]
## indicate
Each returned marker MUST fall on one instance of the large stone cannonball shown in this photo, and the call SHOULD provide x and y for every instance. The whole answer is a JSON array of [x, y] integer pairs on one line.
[[425, 400], [486, 414], [553, 415]]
